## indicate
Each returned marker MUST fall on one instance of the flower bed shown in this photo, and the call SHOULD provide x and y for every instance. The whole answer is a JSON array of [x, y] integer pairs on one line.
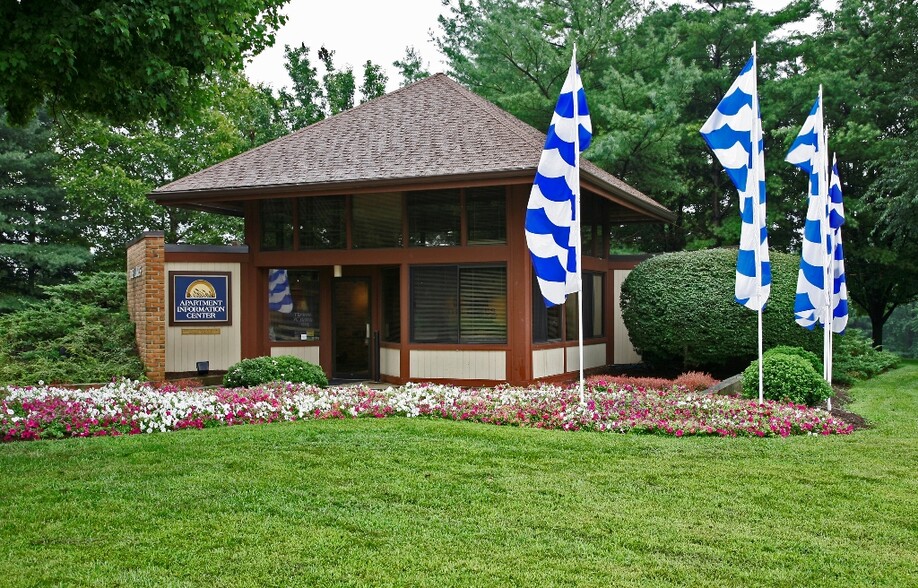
[[129, 407]]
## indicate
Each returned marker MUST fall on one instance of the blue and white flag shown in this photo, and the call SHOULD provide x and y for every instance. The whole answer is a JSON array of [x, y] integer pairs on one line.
[[553, 213], [279, 298], [808, 152], [734, 133], [837, 256]]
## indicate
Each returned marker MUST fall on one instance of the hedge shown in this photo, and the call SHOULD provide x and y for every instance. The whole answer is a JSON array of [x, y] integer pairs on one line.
[[680, 311]]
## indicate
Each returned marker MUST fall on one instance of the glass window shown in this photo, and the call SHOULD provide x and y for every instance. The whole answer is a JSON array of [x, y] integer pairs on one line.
[[546, 321], [277, 225], [459, 304], [592, 309], [293, 305], [377, 221], [321, 221], [391, 306], [486, 212], [433, 218]]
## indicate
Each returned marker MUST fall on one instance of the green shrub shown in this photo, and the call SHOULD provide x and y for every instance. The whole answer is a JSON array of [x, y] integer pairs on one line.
[[679, 309], [811, 357], [81, 333], [285, 368], [855, 358], [786, 378]]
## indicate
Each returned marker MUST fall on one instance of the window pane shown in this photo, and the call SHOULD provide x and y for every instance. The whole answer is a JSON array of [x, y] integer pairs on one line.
[[433, 218], [597, 318], [487, 215], [592, 309], [277, 225], [293, 305], [377, 221], [391, 306], [483, 305], [546, 322], [321, 222], [434, 304]]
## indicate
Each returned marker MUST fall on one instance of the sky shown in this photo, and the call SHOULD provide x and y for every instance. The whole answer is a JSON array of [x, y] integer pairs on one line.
[[358, 30]]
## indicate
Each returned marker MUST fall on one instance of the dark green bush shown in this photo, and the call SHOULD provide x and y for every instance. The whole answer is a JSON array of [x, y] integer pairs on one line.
[[855, 358], [284, 368], [786, 378], [680, 311], [811, 357], [80, 333]]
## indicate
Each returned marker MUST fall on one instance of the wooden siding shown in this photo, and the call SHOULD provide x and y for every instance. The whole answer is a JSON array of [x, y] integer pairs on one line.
[[390, 362], [458, 364], [547, 362], [306, 353], [624, 350], [593, 356], [196, 344]]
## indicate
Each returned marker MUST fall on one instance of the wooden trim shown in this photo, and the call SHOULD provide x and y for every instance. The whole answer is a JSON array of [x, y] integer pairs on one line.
[[519, 289]]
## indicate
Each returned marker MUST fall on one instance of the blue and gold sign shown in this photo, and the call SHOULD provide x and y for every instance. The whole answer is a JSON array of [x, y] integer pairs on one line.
[[199, 298]]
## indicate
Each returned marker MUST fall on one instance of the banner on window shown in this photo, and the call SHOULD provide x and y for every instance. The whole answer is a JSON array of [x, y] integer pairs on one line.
[[200, 298]]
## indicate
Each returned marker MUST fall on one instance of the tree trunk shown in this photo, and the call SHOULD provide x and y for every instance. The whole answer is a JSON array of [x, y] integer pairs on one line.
[[877, 320]]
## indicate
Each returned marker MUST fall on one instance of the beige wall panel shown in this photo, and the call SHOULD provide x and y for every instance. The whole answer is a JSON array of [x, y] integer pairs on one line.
[[624, 351], [547, 362], [459, 365], [222, 350], [310, 353], [593, 356], [390, 362]]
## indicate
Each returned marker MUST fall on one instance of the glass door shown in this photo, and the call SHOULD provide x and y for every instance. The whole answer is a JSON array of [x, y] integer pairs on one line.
[[351, 318]]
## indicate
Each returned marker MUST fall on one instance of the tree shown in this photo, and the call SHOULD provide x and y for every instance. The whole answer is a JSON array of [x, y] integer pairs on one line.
[[339, 85], [124, 60], [653, 75], [864, 58], [305, 105], [40, 235], [374, 81], [410, 67], [108, 171]]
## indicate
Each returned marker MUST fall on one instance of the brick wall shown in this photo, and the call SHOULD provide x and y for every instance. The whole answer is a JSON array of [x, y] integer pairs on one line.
[[146, 266]]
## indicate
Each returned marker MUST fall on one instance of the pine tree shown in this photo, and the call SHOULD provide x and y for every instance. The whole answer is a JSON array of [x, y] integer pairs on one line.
[[40, 237]]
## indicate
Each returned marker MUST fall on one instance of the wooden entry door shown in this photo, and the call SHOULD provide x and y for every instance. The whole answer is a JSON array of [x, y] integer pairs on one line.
[[351, 318]]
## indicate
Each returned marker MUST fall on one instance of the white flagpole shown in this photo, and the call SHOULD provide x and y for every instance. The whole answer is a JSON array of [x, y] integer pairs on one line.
[[828, 277], [579, 243], [756, 180]]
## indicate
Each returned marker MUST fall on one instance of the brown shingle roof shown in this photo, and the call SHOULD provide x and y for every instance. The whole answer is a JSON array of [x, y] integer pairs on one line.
[[432, 129]]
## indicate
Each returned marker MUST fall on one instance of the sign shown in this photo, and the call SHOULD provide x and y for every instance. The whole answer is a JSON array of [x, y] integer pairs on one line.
[[200, 298], [207, 331]]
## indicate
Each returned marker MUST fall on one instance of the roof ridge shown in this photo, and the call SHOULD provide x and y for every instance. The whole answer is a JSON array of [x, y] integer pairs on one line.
[[500, 115]]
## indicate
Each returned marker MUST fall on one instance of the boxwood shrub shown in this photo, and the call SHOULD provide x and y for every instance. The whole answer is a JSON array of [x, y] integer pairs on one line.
[[680, 311], [284, 368], [786, 378]]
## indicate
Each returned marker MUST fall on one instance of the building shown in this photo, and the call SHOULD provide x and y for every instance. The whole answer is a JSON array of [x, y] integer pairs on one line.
[[392, 236]]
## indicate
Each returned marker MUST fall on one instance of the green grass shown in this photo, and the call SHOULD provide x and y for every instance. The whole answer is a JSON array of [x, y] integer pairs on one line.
[[400, 502]]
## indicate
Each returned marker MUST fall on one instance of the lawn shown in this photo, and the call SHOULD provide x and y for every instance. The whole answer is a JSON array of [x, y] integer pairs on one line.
[[425, 502]]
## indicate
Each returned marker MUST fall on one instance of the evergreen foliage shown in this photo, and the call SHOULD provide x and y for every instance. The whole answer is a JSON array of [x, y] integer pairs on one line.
[[263, 370], [40, 233], [786, 378], [680, 312], [854, 358], [81, 333], [125, 61]]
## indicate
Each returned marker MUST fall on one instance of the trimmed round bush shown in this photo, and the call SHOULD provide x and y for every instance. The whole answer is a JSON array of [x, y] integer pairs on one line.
[[811, 357], [680, 311], [284, 368], [786, 378]]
